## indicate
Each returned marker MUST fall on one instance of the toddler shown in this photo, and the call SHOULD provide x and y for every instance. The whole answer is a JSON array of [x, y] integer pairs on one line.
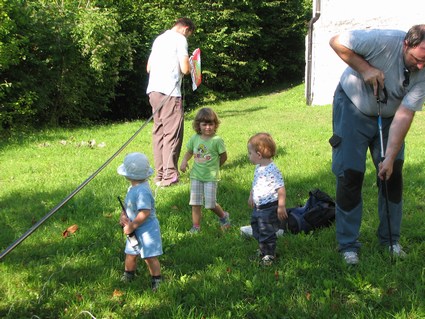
[[267, 196], [209, 154], [142, 221]]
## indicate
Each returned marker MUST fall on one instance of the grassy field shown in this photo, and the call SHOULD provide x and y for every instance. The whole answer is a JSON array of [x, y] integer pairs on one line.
[[209, 275]]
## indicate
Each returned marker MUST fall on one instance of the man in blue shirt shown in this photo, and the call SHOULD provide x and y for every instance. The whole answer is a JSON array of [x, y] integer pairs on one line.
[[376, 59]]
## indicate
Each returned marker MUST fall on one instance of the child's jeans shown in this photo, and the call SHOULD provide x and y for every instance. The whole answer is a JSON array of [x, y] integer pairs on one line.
[[265, 224]]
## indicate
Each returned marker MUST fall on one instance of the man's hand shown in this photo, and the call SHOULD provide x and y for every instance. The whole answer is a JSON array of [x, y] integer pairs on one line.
[[385, 169], [399, 127], [370, 74], [375, 78]]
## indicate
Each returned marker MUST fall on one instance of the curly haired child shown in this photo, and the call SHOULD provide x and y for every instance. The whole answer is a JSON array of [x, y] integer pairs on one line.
[[209, 154]]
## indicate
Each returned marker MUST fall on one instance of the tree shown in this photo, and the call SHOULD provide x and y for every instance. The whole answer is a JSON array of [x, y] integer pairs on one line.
[[71, 62], [15, 103]]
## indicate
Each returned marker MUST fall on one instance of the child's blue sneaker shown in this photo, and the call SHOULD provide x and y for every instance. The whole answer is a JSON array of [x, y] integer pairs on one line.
[[194, 230], [225, 221]]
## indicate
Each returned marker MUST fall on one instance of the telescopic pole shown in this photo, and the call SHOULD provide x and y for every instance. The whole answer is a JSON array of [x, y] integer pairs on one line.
[[384, 183], [81, 186]]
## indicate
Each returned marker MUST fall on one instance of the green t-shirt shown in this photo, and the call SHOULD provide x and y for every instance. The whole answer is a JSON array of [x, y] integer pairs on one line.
[[206, 155]]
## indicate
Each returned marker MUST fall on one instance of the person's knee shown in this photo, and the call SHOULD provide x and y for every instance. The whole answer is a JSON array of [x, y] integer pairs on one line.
[[211, 206], [348, 194], [395, 183]]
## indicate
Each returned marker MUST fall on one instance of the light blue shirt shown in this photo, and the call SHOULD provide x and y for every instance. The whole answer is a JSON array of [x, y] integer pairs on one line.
[[383, 49], [148, 234]]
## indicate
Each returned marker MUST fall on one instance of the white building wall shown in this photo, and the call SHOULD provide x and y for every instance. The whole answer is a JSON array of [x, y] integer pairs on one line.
[[340, 15]]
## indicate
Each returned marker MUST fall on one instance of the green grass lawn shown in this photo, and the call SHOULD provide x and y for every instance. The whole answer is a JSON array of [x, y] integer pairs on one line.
[[209, 275]]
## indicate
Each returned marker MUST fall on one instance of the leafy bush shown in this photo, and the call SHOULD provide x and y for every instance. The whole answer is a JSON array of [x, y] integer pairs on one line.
[[72, 62]]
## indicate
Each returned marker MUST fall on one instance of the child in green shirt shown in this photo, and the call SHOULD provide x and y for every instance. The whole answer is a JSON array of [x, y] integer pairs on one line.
[[209, 153]]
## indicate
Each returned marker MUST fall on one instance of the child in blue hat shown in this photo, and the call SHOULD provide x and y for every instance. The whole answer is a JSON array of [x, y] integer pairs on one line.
[[142, 221]]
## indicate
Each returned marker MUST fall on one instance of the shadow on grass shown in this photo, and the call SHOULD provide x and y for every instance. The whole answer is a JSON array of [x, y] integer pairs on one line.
[[208, 274]]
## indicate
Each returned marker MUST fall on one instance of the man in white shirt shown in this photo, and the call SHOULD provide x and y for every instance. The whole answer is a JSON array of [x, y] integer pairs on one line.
[[167, 64]]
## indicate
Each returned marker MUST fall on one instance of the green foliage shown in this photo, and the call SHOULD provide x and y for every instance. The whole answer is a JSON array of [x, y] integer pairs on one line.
[[71, 62], [248, 44], [10, 41], [71, 67], [226, 37], [97, 33], [15, 102], [284, 25]]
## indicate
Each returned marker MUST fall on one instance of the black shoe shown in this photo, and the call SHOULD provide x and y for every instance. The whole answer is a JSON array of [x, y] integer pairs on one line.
[[155, 283], [127, 277]]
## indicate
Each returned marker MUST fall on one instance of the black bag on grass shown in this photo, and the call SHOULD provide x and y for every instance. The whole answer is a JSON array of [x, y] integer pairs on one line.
[[318, 212]]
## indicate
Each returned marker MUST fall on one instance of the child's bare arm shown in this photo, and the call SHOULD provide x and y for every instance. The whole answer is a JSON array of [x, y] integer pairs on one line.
[[223, 158], [281, 203], [251, 200], [184, 164], [139, 220]]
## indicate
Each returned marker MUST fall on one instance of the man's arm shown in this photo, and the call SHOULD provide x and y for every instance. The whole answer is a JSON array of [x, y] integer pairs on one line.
[[370, 74], [148, 65], [184, 64], [399, 127]]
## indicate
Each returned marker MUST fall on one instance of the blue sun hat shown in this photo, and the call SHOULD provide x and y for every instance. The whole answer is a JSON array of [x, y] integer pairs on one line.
[[136, 166]]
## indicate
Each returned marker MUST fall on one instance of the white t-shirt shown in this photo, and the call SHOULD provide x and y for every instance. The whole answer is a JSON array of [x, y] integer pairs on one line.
[[267, 180], [165, 75], [383, 49]]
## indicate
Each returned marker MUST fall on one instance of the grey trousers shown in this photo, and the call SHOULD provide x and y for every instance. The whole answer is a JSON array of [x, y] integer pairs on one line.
[[167, 136]]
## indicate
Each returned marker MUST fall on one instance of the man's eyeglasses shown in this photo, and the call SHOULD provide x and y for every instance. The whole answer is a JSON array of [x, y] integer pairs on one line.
[[406, 81]]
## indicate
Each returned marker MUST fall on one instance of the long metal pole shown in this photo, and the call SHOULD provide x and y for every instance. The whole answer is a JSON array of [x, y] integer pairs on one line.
[[81, 186], [384, 183]]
